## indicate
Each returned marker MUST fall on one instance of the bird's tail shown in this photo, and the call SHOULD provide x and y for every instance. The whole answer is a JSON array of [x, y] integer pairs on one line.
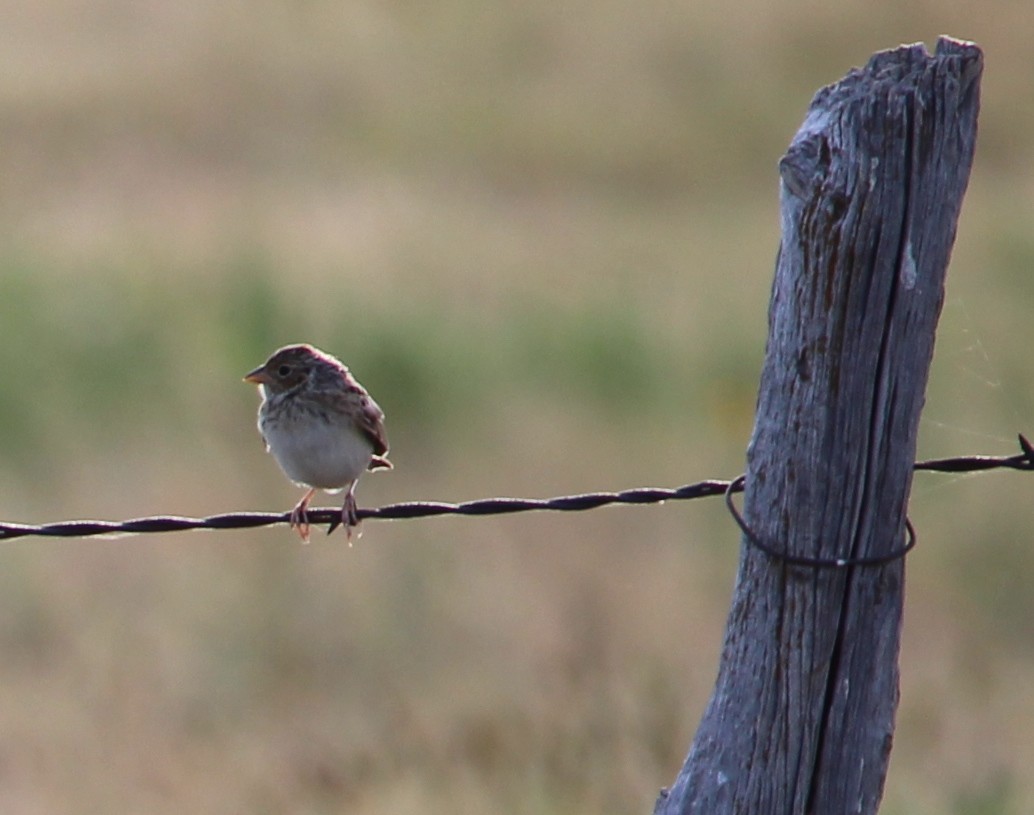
[[379, 462]]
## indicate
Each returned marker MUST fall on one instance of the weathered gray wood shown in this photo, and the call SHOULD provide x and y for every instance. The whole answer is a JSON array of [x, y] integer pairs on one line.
[[802, 715]]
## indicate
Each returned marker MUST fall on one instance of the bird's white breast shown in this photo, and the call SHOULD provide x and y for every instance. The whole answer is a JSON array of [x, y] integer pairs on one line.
[[317, 453]]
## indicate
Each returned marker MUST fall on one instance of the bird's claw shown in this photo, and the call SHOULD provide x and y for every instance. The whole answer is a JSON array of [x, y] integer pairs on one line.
[[300, 520], [349, 518]]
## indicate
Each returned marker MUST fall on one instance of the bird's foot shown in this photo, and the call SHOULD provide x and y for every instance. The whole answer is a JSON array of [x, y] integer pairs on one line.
[[300, 517], [349, 517]]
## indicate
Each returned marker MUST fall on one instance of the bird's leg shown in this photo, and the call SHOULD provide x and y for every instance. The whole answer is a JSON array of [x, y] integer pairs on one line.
[[300, 516], [349, 515]]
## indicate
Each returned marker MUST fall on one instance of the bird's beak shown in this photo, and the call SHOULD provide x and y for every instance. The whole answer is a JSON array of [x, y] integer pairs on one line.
[[258, 376]]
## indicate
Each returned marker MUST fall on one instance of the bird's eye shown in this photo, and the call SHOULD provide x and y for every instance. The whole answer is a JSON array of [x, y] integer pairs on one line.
[[283, 370]]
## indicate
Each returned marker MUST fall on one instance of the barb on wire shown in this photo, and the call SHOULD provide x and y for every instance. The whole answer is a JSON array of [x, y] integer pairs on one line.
[[1024, 460], [489, 506]]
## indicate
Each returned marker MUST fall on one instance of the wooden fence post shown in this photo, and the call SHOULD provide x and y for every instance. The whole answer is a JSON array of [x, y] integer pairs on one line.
[[802, 714]]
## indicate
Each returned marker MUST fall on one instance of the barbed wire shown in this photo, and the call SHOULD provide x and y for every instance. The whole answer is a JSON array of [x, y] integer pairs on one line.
[[806, 560], [487, 506]]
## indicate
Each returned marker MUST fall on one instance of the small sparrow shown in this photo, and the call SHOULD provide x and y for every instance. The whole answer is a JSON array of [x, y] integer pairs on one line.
[[321, 426]]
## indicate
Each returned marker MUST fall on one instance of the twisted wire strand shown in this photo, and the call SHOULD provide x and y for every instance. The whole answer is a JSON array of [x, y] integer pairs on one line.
[[488, 506], [805, 560]]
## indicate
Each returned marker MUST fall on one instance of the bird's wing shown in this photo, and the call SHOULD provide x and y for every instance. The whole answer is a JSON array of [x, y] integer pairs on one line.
[[369, 418], [371, 423]]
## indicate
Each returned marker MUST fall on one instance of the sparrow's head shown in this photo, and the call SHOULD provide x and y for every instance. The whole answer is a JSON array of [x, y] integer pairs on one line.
[[291, 367]]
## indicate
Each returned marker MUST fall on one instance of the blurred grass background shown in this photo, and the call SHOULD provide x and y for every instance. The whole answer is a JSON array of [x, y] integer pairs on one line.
[[543, 236]]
